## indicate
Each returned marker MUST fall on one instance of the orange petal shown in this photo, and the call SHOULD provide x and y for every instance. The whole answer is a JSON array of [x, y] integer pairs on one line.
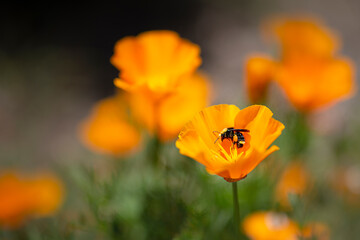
[[259, 72], [155, 59], [303, 37], [123, 85], [270, 226], [294, 180], [311, 84], [191, 95], [129, 58], [166, 115], [245, 164], [22, 197], [214, 118], [14, 202], [49, 192], [263, 128], [197, 138], [108, 129], [337, 82], [191, 145]]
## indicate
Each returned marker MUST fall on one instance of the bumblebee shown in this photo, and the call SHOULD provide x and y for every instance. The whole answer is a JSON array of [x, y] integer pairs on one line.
[[233, 135]]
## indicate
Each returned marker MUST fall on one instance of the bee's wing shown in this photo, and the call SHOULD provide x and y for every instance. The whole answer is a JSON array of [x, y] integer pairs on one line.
[[241, 130]]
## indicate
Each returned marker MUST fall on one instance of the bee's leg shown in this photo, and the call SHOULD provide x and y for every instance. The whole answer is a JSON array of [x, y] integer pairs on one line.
[[235, 139]]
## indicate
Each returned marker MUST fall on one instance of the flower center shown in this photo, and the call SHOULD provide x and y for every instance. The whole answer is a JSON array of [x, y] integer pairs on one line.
[[276, 221], [231, 151]]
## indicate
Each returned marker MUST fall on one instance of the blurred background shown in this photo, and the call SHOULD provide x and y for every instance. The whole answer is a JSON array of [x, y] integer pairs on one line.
[[54, 64], [54, 59]]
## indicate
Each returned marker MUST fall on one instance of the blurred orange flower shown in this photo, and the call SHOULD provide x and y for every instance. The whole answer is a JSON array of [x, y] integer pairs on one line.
[[270, 226], [312, 84], [294, 180], [108, 128], [22, 197], [304, 37], [316, 230], [225, 158], [166, 116], [158, 72], [155, 60], [308, 70], [259, 71]]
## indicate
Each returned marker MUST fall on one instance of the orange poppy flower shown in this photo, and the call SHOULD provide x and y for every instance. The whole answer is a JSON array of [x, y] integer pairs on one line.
[[167, 115], [48, 193], [225, 157], [302, 37], [108, 128], [294, 180], [155, 60], [22, 197], [316, 230], [311, 84], [259, 71], [270, 226], [308, 71], [158, 71]]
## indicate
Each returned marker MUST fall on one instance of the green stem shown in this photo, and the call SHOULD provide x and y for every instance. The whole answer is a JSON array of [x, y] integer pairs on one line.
[[236, 209], [155, 151], [300, 134]]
